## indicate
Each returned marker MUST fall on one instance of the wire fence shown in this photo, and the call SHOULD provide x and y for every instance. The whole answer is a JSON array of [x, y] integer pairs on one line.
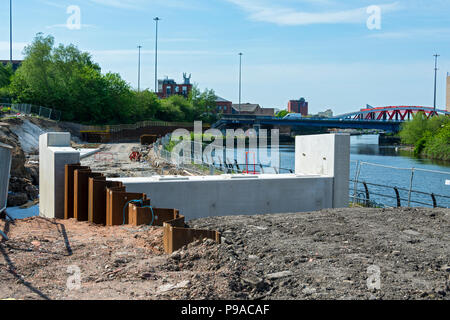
[[29, 109]]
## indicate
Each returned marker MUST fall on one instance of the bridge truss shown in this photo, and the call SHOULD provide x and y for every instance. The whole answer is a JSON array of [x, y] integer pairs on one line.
[[392, 113]]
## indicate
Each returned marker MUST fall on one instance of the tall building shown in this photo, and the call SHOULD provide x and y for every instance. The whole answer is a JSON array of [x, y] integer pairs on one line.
[[448, 92], [169, 87], [298, 106]]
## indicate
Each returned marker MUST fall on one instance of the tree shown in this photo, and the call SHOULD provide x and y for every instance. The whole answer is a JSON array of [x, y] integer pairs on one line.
[[147, 105], [204, 104], [6, 73], [68, 80]]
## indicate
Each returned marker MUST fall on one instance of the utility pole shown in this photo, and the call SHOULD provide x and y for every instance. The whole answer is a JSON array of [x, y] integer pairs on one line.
[[156, 55], [240, 80], [139, 69], [435, 78], [10, 33]]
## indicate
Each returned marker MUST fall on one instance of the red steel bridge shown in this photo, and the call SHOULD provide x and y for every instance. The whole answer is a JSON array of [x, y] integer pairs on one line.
[[393, 113], [388, 119]]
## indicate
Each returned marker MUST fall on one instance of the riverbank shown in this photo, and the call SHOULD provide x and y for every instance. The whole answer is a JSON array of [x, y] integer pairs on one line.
[[317, 255]]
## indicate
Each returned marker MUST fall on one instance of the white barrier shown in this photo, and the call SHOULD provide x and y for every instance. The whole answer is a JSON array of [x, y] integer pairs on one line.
[[5, 171], [54, 153]]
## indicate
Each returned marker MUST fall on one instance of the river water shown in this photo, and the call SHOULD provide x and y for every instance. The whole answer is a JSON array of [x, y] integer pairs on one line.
[[365, 149]]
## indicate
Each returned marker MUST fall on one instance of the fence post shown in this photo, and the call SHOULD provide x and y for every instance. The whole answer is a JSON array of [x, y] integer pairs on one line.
[[433, 197], [410, 187], [367, 194], [399, 202], [357, 173]]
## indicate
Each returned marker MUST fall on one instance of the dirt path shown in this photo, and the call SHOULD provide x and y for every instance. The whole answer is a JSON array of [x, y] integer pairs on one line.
[[114, 161], [319, 255]]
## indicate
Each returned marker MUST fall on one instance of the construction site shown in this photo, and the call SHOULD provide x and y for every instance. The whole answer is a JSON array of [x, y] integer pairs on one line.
[[116, 221]]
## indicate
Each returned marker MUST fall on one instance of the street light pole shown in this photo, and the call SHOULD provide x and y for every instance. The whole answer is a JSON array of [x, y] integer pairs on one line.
[[435, 78], [10, 33], [240, 80], [156, 55], [139, 70]]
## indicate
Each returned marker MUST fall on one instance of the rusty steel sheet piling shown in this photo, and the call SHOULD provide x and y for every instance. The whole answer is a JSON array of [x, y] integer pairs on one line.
[[143, 216], [175, 237], [81, 194], [97, 199], [115, 205], [69, 188]]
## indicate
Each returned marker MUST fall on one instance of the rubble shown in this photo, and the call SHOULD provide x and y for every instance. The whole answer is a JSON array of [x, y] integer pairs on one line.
[[316, 255]]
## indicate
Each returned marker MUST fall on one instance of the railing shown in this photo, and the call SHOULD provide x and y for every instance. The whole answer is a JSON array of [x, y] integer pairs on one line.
[[400, 196], [30, 109], [361, 191]]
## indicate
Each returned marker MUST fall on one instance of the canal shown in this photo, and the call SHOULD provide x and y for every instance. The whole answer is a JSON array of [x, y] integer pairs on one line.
[[366, 151]]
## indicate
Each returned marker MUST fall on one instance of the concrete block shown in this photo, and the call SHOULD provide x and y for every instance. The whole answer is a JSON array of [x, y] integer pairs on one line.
[[54, 153], [209, 196], [5, 171], [326, 155]]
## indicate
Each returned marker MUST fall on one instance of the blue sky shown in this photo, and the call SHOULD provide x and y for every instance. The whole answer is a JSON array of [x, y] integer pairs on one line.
[[318, 49]]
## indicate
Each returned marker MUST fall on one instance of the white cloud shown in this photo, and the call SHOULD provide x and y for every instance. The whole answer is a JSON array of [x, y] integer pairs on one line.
[[292, 17], [411, 34]]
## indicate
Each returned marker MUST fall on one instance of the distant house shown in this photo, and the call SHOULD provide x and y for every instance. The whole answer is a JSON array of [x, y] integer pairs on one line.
[[223, 106], [15, 63], [168, 87], [252, 109]]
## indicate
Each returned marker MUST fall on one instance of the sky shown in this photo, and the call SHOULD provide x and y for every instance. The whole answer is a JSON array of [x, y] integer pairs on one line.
[[338, 54]]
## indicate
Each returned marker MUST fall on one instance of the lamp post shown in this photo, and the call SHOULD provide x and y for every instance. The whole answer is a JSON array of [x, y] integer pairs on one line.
[[139, 69], [240, 80], [435, 78], [156, 55], [10, 33]]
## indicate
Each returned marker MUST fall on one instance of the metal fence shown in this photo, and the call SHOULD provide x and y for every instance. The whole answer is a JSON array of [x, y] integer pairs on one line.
[[391, 195], [29, 109]]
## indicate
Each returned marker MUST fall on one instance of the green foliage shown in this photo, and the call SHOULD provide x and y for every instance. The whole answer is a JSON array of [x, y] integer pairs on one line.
[[6, 73], [438, 146], [67, 79], [282, 114], [430, 137]]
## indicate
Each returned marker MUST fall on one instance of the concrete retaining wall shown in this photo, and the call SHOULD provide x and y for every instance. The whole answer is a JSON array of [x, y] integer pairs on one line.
[[54, 153], [198, 197], [5, 170], [321, 181]]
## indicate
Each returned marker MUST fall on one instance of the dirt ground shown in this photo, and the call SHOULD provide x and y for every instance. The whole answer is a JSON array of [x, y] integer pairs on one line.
[[329, 254]]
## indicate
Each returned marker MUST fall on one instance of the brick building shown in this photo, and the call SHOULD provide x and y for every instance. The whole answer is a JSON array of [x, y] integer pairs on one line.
[[224, 106], [252, 109], [169, 87], [298, 106]]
